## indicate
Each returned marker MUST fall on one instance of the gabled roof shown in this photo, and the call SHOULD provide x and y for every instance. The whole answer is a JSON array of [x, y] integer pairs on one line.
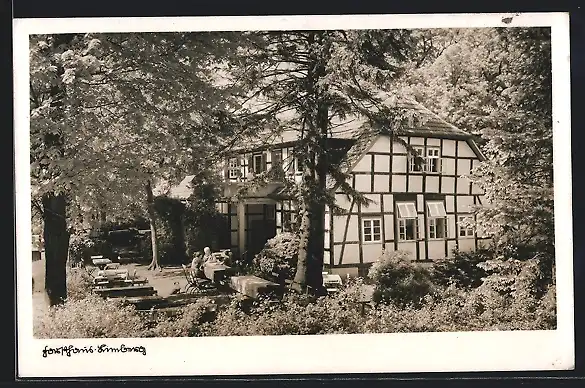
[[352, 127], [184, 189]]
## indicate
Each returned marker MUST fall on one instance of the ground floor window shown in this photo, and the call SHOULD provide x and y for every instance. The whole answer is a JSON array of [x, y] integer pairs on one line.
[[465, 226], [437, 228], [407, 221], [437, 220], [372, 230]]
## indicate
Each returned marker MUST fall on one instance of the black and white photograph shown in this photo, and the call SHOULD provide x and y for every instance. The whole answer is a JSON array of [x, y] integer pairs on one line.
[[304, 194]]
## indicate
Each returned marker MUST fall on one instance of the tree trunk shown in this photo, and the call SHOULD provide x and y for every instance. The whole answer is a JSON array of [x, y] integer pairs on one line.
[[300, 279], [308, 276], [56, 247], [154, 264]]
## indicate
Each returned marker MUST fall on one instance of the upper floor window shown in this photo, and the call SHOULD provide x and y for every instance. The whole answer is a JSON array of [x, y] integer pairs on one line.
[[428, 161], [407, 221], [372, 230], [437, 220], [276, 159], [233, 168], [433, 161], [417, 165], [258, 165], [465, 226]]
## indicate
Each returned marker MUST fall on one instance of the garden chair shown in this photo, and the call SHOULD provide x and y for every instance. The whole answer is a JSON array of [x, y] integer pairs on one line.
[[195, 283]]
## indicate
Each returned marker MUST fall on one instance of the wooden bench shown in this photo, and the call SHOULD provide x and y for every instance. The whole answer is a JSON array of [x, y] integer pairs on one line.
[[100, 262], [114, 292]]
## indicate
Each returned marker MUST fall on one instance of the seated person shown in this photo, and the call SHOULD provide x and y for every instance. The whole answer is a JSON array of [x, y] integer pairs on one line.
[[197, 264], [210, 258]]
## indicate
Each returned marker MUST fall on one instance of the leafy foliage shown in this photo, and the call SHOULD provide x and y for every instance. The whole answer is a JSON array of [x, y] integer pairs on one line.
[[278, 259], [461, 269], [187, 323], [90, 317], [81, 247], [79, 284], [505, 300], [398, 280], [497, 83], [170, 231], [205, 226]]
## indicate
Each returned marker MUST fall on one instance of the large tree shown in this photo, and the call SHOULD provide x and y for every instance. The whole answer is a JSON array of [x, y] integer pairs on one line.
[[113, 114], [311, 81]]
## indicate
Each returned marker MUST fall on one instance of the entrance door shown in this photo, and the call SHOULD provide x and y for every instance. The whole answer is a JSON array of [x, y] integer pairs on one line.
[[260, 226]]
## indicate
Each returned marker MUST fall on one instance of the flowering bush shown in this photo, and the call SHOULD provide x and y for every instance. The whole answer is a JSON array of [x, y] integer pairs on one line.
[[398, 280], [279, 256], [90, 317]]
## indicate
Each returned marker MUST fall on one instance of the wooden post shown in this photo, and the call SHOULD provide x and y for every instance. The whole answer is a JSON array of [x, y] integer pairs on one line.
[[241, 212]]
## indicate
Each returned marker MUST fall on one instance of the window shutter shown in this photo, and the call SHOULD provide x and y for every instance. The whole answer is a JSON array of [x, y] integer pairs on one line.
[[406, 210]]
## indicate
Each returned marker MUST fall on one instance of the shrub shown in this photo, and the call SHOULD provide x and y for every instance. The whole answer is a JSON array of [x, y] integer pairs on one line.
[[296, 315], [398, 280], [546, 312], [279, 256], [91, 317], [186, 323], [79, 283], [462, 269], [81, 247], [171, 241]]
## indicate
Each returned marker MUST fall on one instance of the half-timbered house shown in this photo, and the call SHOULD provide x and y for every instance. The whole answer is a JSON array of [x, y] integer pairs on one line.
[[417, 205]]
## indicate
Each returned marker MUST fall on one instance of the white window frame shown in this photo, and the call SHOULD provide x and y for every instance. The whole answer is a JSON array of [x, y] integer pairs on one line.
[[233, 168], [369, 224], [433, 154], [436, 211], [469, 231], [412, 161], [406, 211]]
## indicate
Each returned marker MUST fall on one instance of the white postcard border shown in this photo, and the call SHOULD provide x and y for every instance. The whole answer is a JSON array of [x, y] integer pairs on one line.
[[420, 352]]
